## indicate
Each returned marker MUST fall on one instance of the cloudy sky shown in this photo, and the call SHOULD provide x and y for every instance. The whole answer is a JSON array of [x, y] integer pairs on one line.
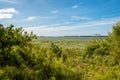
[[61, 17]]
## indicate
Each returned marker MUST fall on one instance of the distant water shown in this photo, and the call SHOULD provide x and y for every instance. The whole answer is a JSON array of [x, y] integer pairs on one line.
[[72, 37]]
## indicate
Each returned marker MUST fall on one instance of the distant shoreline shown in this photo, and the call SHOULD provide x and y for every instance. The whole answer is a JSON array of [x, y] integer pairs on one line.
[[71, 37]]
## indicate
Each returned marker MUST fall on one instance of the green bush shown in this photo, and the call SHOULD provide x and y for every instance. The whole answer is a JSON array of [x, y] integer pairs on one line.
[[20, 59]]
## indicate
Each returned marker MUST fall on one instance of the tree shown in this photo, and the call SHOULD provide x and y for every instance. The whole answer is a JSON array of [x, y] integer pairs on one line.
[[11, 36], [115, 35]]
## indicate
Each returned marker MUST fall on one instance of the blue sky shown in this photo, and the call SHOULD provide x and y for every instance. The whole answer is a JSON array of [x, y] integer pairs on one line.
[[61, 17]]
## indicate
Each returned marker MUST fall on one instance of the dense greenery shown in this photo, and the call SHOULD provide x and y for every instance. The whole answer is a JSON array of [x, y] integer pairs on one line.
[[22, 59]]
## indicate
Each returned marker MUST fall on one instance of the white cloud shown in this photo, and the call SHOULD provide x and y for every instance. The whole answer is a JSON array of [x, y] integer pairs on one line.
[[80, 18], [54, 11], [5, 16], [46, 30], [59, 30], [8, 10], [75, 6], [8, 1], [7, 13], [31, 18]]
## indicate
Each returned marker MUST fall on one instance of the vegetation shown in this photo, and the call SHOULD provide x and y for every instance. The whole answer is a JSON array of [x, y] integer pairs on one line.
[[68, 44], [23, 59]]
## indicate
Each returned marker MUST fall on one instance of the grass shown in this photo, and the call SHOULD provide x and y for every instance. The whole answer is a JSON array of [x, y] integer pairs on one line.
[[68, 44]]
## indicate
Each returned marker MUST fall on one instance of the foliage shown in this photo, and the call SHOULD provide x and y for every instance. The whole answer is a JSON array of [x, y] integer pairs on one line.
[[23, 59]]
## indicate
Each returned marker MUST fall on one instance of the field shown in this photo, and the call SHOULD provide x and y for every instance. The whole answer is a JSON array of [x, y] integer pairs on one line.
[[69, 44]]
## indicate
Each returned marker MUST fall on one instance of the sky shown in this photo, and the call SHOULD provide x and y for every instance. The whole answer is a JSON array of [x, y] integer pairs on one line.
[[61, 17]]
